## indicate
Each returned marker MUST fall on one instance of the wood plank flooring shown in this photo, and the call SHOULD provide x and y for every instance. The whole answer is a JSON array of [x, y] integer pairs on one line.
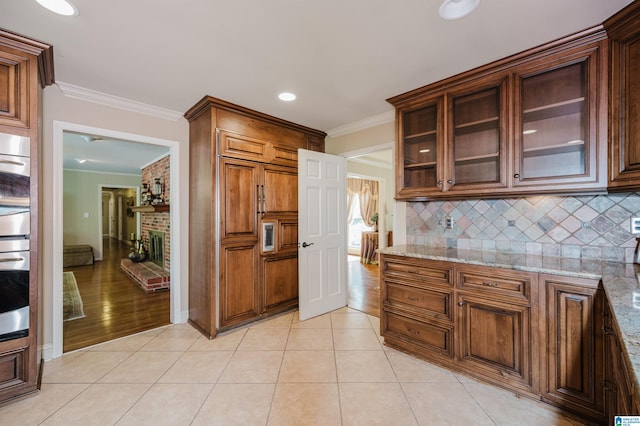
[[364, 287], [113, 304]]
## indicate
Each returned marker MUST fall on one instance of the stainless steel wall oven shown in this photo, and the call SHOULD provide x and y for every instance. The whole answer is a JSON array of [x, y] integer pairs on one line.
[[14, 236]]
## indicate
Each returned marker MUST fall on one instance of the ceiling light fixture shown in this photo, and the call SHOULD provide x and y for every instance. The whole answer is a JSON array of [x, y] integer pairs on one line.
[[287, 96], [529, 132], [61, 7], [456, 9], [81, 160]]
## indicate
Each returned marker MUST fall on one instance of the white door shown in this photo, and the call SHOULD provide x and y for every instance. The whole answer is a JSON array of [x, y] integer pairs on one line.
[[322, 233]]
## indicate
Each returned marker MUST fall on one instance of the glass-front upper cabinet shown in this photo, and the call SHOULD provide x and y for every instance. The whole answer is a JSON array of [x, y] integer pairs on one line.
[[557, 123], [477, 139], [421, 150]]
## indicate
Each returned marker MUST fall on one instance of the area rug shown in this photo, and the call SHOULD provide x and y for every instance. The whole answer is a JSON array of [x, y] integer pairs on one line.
[[71, 301]]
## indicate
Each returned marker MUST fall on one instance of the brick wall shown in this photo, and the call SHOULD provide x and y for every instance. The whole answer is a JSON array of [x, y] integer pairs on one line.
[[158, 221]]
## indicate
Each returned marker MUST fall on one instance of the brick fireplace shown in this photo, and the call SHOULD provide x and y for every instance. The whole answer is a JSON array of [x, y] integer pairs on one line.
[[153, 274]]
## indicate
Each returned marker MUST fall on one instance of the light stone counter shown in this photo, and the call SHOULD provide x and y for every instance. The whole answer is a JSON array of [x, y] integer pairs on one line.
[[620, 282]]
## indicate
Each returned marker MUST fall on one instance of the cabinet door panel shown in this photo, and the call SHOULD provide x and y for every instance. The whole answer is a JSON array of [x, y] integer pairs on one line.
[[13, 368], [574, 340], [280, 191], [243, 147], [284, 155], [495, 339], [14, 90], [280, 281], [239, 188], [498, 282], [239, 282], [287, 235]]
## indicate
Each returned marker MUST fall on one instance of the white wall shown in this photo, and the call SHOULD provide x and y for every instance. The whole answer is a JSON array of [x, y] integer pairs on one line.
[[57, 107]]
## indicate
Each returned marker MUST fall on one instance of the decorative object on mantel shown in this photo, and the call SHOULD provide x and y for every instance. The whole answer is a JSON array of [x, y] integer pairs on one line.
[[158, 191], [159, 208]]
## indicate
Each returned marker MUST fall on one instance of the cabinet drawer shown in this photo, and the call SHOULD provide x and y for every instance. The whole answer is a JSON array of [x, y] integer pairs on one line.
[[498, 282], [418, 271], [431, 303], [436, 338], [13, 368], [285, 155]]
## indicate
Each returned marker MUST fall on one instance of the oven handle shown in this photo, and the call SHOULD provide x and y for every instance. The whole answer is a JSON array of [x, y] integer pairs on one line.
[[11, 259], [13, 163]]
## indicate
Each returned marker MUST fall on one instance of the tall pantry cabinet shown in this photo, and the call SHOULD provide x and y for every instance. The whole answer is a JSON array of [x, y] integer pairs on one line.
[[243, 186], [26, 66]]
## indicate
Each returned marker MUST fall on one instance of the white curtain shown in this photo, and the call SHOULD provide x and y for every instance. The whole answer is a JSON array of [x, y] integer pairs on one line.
[[367, 191]]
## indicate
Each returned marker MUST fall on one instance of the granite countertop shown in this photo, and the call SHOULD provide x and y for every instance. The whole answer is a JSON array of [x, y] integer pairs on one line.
[[620, 282]]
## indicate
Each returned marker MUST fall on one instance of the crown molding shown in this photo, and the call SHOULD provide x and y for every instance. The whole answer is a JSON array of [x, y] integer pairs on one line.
[[376, 120], [89, 95], [370, 162]]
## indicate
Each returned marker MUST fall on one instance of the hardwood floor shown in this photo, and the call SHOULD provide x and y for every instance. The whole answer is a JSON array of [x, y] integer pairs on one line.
[[114, 305], [364, 287]]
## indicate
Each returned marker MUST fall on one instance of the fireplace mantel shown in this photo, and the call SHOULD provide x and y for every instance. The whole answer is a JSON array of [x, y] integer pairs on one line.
[[159, 208]]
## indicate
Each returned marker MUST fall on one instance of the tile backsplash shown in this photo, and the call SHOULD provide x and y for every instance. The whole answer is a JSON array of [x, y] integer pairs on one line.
[[587, 227]]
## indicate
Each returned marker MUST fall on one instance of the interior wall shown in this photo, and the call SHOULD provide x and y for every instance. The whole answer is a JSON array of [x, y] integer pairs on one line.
[[58, 107], [82, 197]]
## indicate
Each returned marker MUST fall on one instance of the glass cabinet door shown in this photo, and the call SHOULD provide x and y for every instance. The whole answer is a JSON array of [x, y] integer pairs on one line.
[[420, 148], [476, 138], [554, 124]]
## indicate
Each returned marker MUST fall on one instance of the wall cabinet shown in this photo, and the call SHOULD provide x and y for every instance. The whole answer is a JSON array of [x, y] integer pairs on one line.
[[23, 62], [535, 121], [624, 101], [536, 334], [243, 174]]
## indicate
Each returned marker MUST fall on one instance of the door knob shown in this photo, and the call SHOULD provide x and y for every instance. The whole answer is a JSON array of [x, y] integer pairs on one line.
[[305, 244]]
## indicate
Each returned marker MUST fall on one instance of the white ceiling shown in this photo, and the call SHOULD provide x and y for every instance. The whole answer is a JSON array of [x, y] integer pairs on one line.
[[108, 155], [342, 58]]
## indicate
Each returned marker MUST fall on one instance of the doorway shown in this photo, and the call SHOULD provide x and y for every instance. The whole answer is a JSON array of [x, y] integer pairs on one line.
[[59, 165]]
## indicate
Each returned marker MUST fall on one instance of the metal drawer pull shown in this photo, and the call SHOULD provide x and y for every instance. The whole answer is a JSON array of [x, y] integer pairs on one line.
[[13, 163], [490, 284], [412, 271], [412, 331], [12, 259], [415, 299]]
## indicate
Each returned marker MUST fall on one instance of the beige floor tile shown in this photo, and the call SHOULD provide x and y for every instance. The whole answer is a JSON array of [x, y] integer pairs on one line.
[[178, 337], [236, 405], [310, 339], [321, 321], [364, 366], [281, 321], [253, 367], [130, 343], [375, 323], [350, 320], [308, 367], [197, 367], [412, 369], [345, 310], [142, 367], [35, 409], [355, 339], [264, 339], [444, 403], [86, 367], [167, 404], [305, 404], [503, 407], [225, 342], [375, 404], [100, 404]]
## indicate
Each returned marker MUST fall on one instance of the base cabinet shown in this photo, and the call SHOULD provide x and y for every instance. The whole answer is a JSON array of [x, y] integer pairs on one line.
[[538, 335]]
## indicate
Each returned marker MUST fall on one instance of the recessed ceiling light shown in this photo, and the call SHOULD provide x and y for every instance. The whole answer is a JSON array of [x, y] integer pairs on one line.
[[529, 132], [287, 96], [81, 160], [456, 9], [61, 7]]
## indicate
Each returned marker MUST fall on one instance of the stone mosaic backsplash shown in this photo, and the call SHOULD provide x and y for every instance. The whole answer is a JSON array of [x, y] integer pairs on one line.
[[587, 227]]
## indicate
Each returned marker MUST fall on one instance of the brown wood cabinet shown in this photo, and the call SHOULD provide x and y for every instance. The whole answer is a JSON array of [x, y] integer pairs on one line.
[[535, 334], [573, 377], [23, 62], [243, 174], [622, 396], [532, 122], [623, 30]]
